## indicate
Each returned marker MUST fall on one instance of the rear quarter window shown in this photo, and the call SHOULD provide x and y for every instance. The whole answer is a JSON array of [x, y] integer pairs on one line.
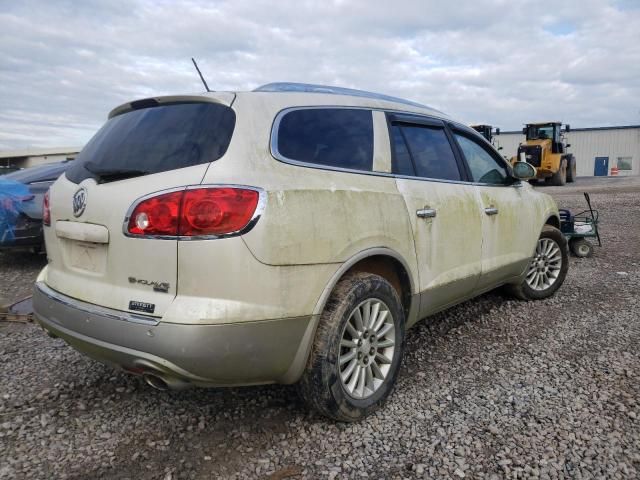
[[156, 139], [331, 137]]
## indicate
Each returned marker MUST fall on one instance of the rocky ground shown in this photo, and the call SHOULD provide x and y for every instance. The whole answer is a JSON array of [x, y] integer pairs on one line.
[[493, 388]]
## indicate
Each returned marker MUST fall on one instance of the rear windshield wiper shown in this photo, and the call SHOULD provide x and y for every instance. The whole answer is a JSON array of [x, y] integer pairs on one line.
[[112, 174]]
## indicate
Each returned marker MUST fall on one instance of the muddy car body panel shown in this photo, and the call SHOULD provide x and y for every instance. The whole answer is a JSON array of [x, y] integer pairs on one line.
[[242, 307]]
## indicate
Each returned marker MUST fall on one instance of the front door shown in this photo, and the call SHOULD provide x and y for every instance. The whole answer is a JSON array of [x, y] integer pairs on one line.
[[601, 167], [444, 214], [507, 242]]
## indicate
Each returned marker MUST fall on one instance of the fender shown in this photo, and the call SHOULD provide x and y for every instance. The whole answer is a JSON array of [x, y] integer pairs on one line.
[[300, 361], [370, 252], [549, 213]]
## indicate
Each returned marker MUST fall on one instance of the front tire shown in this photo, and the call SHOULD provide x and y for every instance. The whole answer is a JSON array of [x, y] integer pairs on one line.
[[357, 351], [547, 269], [560, 177]]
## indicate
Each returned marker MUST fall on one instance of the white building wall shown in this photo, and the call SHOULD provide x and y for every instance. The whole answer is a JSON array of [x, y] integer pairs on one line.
[[44, 159], [588, 144]]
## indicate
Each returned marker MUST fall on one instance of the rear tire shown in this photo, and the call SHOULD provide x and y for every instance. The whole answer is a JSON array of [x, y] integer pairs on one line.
[[581, 248], [547, 269], [354, 362], [560, 177], [571, 171]]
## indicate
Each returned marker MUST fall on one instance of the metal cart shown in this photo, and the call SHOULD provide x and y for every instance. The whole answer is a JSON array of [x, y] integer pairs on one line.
[[579, 227]]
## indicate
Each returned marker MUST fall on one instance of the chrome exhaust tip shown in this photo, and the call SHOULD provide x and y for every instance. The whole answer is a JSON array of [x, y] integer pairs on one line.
[[155, 381]]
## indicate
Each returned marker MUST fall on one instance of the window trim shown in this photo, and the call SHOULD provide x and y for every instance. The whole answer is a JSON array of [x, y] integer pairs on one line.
[[414, 119], [275, 130], [428, 122], [273, 146]]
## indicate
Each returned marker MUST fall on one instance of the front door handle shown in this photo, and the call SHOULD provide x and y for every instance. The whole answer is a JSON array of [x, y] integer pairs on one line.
[[426, 213], [491, 211]]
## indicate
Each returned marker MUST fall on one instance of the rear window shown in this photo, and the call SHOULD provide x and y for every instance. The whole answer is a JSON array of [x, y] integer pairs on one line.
[[332, 137], [155, 139]]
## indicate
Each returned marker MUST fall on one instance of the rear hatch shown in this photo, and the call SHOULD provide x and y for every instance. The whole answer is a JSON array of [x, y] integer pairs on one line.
[[144, 148]]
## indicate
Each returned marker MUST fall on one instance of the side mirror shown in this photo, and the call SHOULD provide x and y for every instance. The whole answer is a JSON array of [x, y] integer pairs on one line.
[[524, 131], [568, 145], [497, 131], [524, 171], [567, 128], [499, 148]]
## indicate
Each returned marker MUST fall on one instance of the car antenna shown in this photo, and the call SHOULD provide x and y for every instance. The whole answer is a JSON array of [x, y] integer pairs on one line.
[[200, 73]]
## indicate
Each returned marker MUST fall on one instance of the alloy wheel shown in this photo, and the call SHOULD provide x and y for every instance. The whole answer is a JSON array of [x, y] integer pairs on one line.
[[545, 265], [366, 348]]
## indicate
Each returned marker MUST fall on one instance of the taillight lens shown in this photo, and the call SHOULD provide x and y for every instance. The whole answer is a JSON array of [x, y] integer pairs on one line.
[[216, 211], [201, 211], [157, 215], [46, 210]]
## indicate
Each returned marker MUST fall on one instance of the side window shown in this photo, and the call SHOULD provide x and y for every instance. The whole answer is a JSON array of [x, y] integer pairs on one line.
[[430, 151], [334, 137], [484, 167], [401, 160]]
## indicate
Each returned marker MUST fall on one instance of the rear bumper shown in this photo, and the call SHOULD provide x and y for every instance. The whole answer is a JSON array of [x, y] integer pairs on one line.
[[206, 355]]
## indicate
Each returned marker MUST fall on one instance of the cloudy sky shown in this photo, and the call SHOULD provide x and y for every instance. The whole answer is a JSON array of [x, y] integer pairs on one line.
[[64, 64]]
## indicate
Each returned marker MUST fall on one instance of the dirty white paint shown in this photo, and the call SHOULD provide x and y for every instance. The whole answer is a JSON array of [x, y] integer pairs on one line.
[[314, 221], [101, 275]]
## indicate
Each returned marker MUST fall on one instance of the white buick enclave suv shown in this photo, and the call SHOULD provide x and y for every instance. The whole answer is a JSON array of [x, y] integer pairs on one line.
[[291, 234]]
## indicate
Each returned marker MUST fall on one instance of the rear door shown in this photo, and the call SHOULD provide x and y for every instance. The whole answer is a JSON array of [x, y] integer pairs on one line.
[[507, 237], [136, 153], [442, 209]]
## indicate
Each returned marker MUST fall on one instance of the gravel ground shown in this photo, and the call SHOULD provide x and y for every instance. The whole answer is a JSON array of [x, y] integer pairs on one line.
[[493, 388]]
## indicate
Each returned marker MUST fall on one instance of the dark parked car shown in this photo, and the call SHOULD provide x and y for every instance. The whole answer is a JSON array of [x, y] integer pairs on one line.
[[21, 196]]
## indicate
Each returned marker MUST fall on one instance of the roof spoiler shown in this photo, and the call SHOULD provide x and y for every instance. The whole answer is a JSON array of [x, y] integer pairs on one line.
[[222, 98]]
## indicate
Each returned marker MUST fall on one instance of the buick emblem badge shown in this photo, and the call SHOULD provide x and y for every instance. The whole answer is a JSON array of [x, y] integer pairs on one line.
[[79, 202]]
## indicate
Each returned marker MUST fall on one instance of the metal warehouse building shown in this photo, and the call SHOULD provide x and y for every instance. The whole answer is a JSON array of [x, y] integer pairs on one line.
[[597, 150], [15, 159]]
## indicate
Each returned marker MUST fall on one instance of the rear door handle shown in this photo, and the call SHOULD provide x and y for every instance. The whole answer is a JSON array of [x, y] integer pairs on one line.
[[426, 213], [491, 211]]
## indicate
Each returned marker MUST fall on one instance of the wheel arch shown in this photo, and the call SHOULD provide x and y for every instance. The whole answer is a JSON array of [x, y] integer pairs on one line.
[[379, 260], [553, 220]]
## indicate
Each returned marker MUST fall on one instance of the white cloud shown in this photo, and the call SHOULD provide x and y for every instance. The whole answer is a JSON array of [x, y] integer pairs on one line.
[[64, 65]]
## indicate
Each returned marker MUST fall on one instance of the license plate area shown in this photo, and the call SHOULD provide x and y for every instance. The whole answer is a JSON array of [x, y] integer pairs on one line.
[[86, 256]]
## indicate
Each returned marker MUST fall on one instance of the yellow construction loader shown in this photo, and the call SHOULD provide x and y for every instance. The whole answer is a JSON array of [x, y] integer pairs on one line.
[[545, 148]]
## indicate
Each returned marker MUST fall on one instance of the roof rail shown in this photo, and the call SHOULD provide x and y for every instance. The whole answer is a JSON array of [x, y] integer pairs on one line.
[[311, 88]]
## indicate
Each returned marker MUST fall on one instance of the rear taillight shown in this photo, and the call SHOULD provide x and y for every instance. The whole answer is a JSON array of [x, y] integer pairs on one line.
[[157, 215], [194, 212], [216, 211], [46, 210]]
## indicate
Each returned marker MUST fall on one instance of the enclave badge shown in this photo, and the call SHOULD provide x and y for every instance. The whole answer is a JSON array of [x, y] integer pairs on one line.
[[157, 286], [79, 202]]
